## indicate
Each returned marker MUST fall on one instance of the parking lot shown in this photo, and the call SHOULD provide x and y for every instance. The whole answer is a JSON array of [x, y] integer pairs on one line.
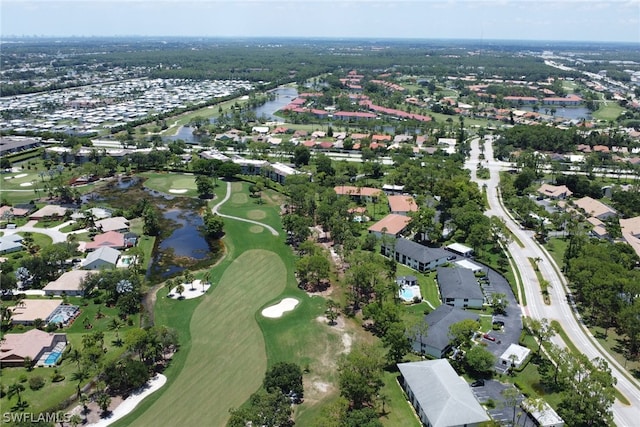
[[502, 412]]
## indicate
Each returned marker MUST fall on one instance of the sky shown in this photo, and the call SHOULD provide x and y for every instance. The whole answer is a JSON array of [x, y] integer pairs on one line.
[[561, 20]]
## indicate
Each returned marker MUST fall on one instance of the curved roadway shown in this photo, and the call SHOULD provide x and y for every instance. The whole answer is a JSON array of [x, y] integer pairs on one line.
[[559, 309]]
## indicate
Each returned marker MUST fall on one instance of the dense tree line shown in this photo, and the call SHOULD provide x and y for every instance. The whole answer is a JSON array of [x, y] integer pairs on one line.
[[606, 285]]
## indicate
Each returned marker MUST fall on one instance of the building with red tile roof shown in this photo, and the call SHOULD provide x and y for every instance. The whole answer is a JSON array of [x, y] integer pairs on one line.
[[358, 193], [391, 225], [110, 239], [402, 205]]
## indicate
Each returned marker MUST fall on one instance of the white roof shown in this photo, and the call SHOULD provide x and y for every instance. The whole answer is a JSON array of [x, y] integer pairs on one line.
[[445, 397], [545, 416], [465, 263], [69, 281], [460, 248], [516, 350]]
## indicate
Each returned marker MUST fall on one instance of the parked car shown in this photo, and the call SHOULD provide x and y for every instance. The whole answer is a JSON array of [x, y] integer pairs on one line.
[[477, 383], [488, 337]]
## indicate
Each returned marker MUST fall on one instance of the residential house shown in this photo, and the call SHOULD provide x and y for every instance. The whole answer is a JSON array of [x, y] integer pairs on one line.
[[595, 208], [439, 395], [391, 225], [599, 229], [31, 345], [26, 311], [555, 191], [117, 223], [10, 243], [101, 258], [110, 239], [459, 287], [402, 205], [415, 255], [48, 211], [70, 283], [630, 228], [358, 194], [437, 341]]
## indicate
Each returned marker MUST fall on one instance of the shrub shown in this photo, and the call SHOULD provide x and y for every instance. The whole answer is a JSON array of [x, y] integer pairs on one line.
[[57, 377], [23, 378], [36, 383]]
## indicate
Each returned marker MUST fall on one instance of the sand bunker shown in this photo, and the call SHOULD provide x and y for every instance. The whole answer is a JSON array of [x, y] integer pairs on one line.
[[26, 184], [178, 190], [279, 309], [190, 291]]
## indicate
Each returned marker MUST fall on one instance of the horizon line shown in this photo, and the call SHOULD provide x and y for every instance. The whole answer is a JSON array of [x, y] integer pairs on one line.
[[293, 37]]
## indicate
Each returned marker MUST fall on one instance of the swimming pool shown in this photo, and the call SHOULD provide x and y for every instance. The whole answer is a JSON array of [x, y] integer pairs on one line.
[[52, 358], [408, 293], [58, 318]]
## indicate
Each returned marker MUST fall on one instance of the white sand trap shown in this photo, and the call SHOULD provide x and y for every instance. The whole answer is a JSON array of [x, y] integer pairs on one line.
[[190, 291], [26, 184], [279, 309], [20, 175], [178, 190], [132, 401]]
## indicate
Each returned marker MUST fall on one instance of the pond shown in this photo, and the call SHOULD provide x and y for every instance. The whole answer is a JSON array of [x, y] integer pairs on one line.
[[181, 244], [569, 113], [284, 95], [185, 243]]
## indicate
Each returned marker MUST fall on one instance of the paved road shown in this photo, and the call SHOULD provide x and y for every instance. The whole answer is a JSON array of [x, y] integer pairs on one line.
[[56, 235], [226, 197], [559, 309]]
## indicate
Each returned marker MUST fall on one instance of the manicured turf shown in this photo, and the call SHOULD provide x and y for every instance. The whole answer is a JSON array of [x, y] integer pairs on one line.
[[227, 359], [164, 182], [608, 110]]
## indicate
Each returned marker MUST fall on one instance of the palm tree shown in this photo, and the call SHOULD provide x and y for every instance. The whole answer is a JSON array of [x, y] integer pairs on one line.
[[38, 323], [75, 356], [79, 376], [14, 390], [84, 401], [180, 289], [103, 400], [188, 278]]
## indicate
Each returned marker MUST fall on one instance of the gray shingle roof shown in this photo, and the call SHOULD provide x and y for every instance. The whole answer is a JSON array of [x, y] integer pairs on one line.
[[458, 283], [445, 398], [419, 252], [106, 254], [439, 321]]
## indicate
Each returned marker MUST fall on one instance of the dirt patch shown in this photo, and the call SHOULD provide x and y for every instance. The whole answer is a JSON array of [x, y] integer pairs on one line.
[[339, 322], [93, 410], [256, 214], [236, 186], [256, 229], [347, 341]]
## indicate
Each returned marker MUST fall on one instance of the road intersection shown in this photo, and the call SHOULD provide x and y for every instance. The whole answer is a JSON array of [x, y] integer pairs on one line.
[[559, 309]]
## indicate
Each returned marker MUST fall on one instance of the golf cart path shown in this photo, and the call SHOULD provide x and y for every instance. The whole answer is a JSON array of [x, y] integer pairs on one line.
[[226, 197]]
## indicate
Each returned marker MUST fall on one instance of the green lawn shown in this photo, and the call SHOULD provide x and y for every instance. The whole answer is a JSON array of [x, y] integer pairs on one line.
[[608, 110], [223, 353], [227, 358], [398, 411], [165, 182]]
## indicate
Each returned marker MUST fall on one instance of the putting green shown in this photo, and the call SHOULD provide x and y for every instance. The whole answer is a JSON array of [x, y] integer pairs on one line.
[[166, 182], [227, 360], [256, 214], [239, 199]]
